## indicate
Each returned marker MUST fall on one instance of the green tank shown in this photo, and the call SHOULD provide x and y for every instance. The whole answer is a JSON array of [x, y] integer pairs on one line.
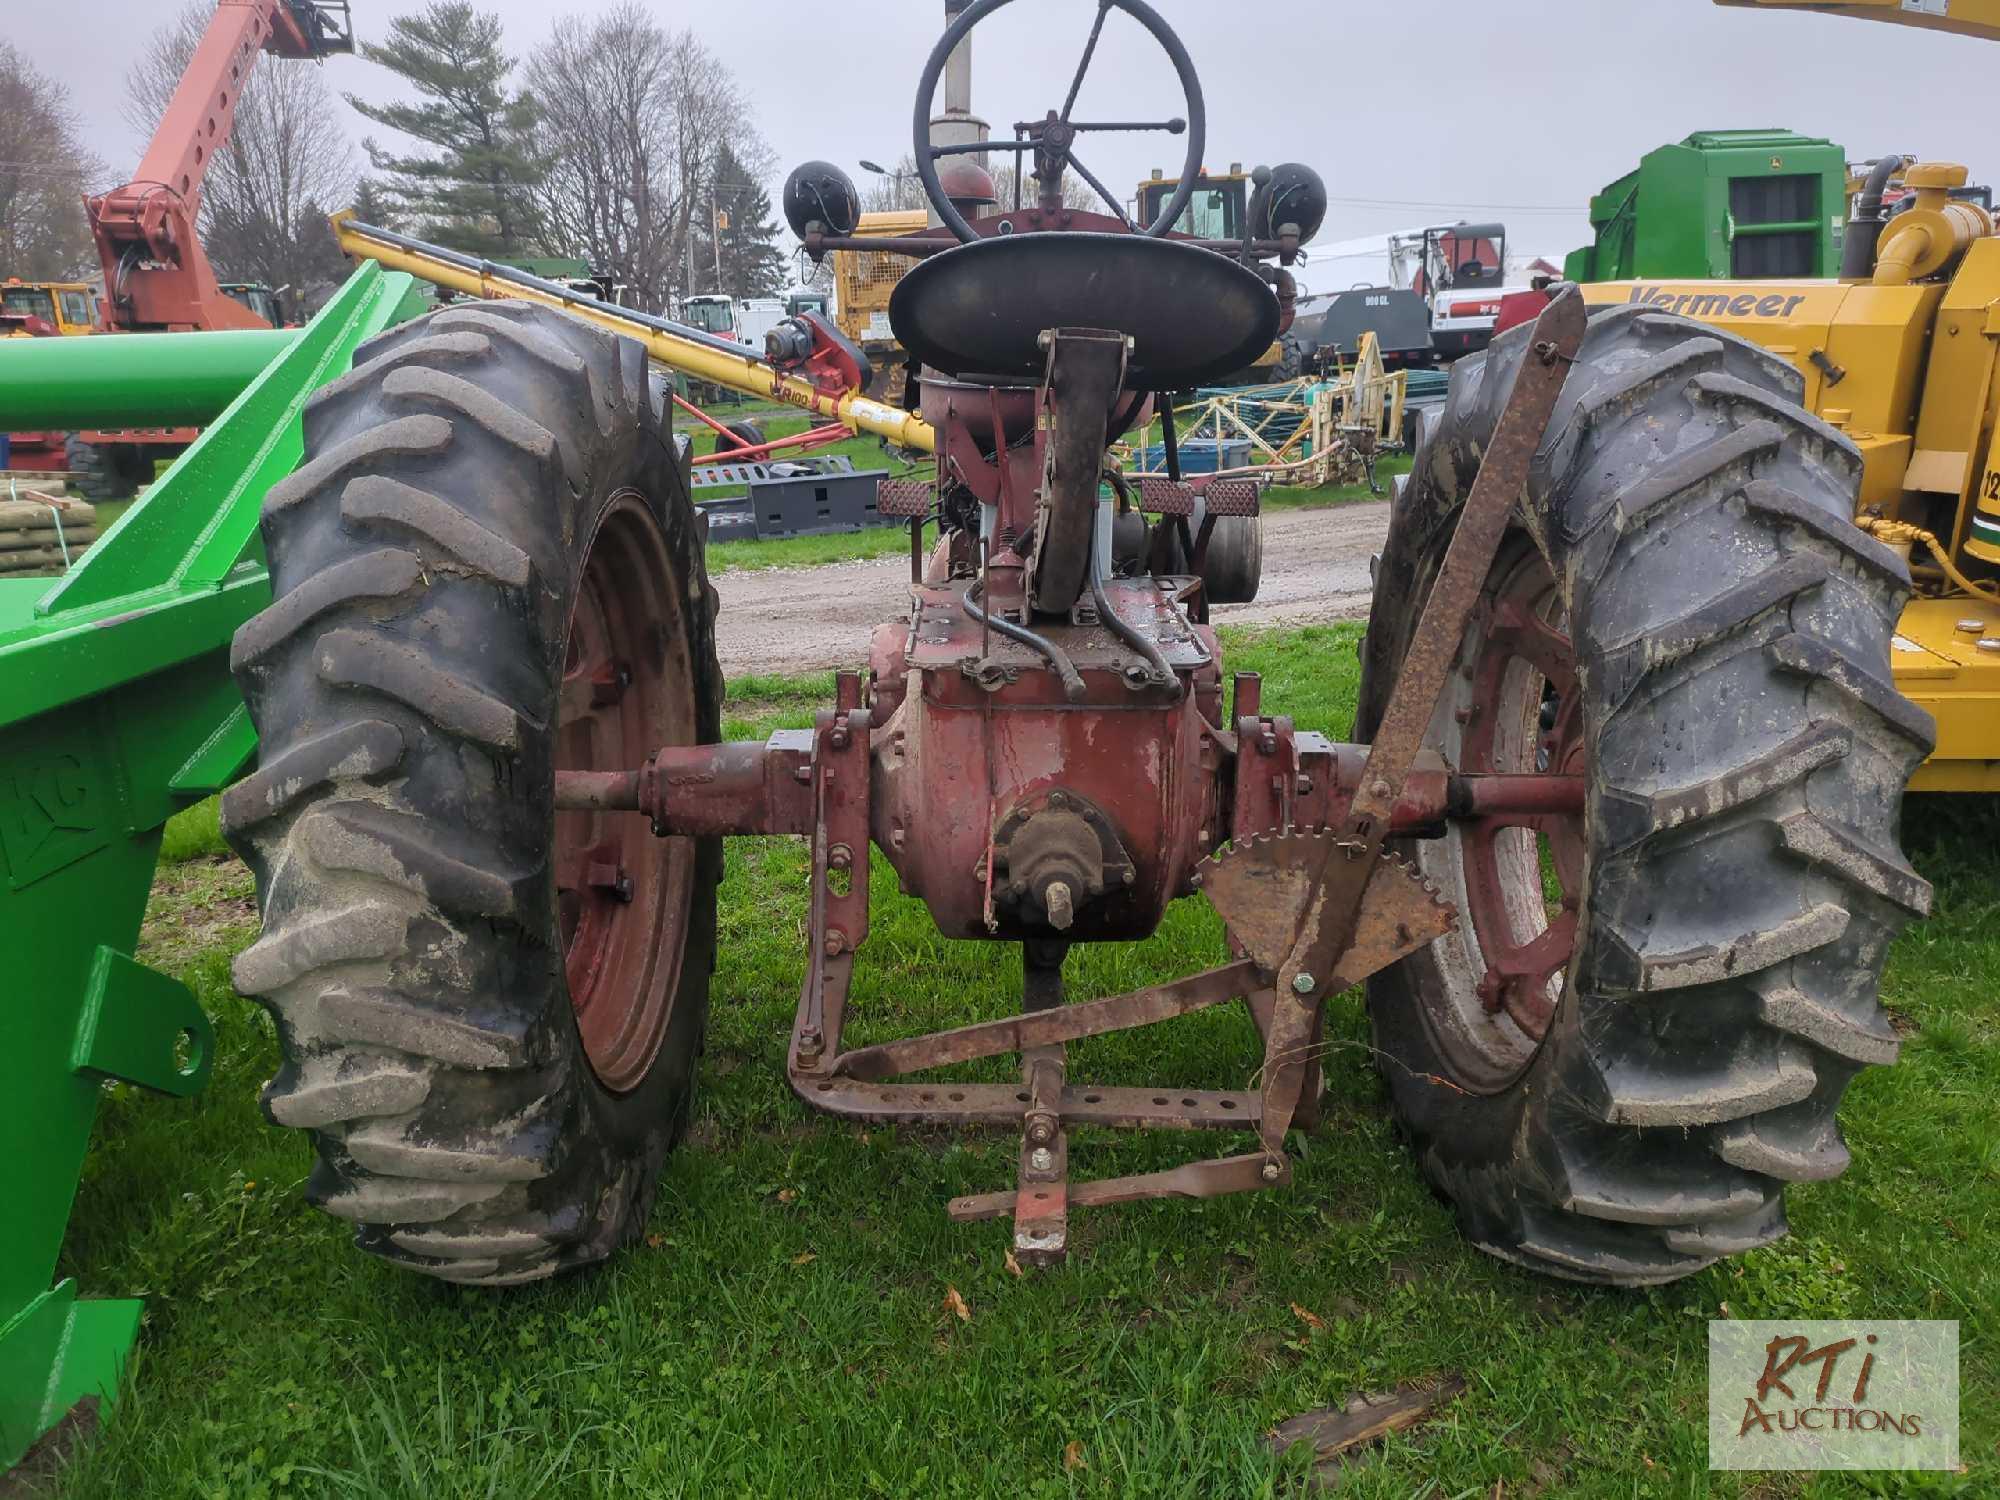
[[1736, 204]]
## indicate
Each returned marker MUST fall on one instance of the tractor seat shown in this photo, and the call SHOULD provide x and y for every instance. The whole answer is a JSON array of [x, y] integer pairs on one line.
[[975, 312]]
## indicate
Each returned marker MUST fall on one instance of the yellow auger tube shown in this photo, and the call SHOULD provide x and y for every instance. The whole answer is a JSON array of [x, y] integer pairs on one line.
[[711, 361]]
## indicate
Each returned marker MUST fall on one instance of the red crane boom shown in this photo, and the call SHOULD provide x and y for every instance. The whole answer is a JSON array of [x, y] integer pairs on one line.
[[156, 274]]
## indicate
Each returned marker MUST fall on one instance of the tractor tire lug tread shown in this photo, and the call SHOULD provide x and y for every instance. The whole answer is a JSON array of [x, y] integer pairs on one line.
[[404, 685], [1747, 756]]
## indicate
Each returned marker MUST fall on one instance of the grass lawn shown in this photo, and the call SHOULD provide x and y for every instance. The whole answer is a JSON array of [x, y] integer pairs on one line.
[[783, 1328]]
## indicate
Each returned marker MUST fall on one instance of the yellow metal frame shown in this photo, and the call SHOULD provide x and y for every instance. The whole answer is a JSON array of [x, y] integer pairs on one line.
[[1980, 18], [863, 279], [738, 372], [1911, 373], [1326, 420]]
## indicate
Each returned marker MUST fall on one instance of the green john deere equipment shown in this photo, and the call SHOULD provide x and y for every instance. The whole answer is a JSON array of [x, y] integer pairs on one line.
[[1722, 203], [116, 711]]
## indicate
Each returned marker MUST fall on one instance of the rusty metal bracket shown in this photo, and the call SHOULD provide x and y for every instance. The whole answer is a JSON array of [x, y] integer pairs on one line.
[[1040, 1028], [1041, 1206], [1001, 1105], [1197, 1179], [1085, 367], [839, 921], [1346, 864], [1261, 889]]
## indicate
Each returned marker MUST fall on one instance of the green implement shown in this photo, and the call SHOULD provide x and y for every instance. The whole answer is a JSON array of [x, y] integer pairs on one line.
[[1742, 204], [116, 711], [134, 380]]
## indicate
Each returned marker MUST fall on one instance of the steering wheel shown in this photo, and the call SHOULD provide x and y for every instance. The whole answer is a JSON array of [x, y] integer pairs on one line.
[[1056, 133]]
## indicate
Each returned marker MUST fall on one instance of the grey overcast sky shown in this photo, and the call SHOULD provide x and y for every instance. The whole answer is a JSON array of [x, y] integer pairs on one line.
[[1413, 110]]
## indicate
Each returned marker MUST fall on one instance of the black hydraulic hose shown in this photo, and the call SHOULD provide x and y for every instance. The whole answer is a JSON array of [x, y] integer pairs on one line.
[[1072, 680], [1131, 635], [1864, 230], [1137, 639]]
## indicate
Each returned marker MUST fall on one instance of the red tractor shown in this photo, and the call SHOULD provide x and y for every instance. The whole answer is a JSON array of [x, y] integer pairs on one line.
[[1612, 843]]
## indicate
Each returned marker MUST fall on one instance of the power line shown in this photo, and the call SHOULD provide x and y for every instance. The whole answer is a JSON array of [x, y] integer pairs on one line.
[[1509, 208]]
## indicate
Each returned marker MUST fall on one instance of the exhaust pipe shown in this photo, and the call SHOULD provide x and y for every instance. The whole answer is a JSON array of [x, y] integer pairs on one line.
[[1864, 230]]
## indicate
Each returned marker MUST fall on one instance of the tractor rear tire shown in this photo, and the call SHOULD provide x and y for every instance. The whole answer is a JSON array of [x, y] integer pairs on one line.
[[1735, 879], [485, 569], [106, 471], [746, 432]]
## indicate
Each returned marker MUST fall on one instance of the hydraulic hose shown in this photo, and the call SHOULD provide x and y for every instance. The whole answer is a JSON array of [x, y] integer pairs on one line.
[[1902, 533], [1156, 662], [1072, 680]]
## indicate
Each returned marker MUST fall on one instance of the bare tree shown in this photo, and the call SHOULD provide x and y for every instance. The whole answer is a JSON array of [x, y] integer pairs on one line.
[[286, 152], [900, 191], [44, 172], [1076, 193], [634, 120], [894, 191], [710, 112]]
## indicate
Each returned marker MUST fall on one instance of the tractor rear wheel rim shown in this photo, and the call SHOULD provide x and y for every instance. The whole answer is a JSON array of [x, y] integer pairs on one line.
[[1523, 871], [624, 897]]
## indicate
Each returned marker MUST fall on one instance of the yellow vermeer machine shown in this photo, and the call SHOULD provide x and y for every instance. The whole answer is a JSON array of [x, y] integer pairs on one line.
[[1904, 363], [1900, 353]]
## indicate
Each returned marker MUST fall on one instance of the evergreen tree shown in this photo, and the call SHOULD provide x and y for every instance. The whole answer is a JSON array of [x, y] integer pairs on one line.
[[372, 206], [752, 263], [318, 267], [476, 188]]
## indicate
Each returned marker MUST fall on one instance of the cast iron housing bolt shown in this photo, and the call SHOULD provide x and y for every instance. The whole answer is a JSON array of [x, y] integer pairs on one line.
[[1302, 983], [1041, 1159]]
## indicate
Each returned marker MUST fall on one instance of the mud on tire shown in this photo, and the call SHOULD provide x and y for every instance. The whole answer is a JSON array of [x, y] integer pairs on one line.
[[1740, 874], [414, 687]]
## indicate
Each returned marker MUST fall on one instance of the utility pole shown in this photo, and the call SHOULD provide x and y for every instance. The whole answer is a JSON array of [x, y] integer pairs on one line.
[[715, 233]]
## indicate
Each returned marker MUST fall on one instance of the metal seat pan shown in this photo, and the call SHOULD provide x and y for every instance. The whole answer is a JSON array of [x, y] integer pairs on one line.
[[1194, 316]]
